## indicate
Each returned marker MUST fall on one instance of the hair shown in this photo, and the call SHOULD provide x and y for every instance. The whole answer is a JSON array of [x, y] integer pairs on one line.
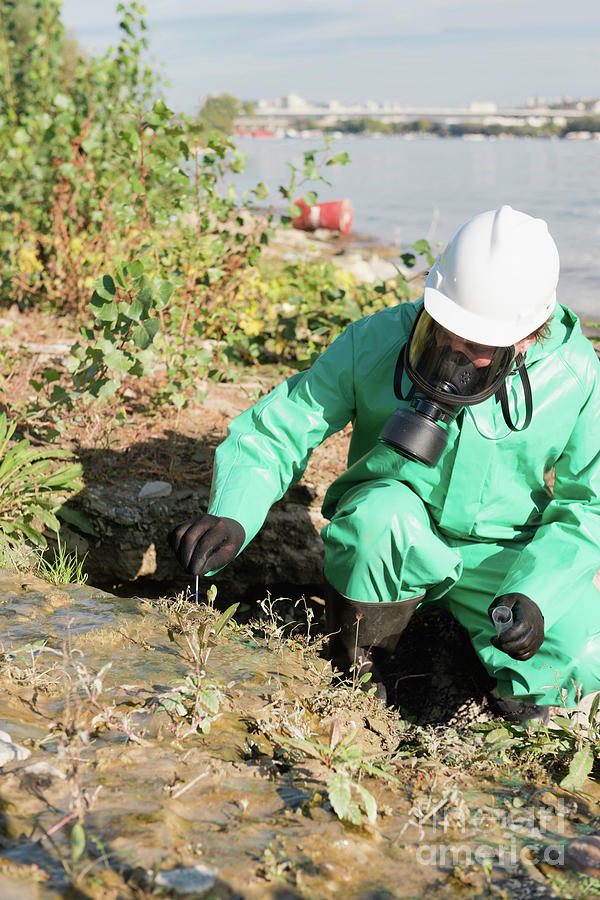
[[542, 333]]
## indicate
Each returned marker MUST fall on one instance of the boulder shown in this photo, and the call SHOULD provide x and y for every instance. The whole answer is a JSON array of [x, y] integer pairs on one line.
[[133, 524]]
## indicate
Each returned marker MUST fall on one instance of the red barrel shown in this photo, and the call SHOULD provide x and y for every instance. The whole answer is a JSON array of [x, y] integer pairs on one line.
[[336, 215]]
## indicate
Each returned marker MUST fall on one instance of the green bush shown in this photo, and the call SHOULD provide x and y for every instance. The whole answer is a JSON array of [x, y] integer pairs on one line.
[[31, 488]]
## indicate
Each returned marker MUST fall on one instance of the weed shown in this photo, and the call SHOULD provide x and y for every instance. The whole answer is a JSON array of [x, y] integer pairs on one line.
[[290, 729], [573, 887], [20, 665], [566, 742], [195, 699], [64, 568], [272, 627], [278, 867]]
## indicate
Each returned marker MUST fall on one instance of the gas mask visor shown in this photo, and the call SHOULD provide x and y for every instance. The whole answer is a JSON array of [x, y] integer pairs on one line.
[[447, 373]]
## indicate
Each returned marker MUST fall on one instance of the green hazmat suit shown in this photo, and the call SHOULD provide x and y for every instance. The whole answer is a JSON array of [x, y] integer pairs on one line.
[[479, 524]]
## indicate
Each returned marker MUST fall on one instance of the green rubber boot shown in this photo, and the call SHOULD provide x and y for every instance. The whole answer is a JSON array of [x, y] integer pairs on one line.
[[363, 635]]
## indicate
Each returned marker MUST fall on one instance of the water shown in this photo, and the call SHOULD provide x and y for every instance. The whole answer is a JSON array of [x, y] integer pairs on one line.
[[403, 190]]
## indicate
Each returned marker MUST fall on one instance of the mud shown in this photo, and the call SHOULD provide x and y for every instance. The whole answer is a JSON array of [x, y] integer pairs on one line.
[[134, 788]]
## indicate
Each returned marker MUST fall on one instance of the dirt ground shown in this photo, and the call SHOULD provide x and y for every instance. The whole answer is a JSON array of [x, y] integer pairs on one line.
[[148, 751]]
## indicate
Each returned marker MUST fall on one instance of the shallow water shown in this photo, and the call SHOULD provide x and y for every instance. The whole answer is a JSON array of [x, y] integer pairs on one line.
[[249, 809]]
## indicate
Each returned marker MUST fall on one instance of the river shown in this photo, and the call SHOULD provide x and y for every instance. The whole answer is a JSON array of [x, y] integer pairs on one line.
[[402, 190]]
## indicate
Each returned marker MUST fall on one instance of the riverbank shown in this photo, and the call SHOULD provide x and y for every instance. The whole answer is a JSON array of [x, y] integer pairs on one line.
[[151, 747], [157, 748], [151, 467], [464, 133]]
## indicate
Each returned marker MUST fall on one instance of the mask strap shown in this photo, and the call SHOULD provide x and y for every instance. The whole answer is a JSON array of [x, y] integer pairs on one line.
[[502, 396], [398, 376]]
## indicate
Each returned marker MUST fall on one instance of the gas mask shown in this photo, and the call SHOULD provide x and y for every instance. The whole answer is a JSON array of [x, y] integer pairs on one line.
[[447, 374]]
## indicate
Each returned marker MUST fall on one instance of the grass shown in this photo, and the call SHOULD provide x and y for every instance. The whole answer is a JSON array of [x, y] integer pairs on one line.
[[64, 568]]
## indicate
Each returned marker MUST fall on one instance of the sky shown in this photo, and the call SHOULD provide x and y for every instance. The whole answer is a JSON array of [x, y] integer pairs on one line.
[[414, 52]]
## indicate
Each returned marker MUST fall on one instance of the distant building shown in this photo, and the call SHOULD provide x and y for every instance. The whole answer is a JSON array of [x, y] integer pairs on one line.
[[482, 108]]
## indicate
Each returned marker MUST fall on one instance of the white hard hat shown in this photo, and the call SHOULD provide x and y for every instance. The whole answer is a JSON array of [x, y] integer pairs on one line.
[[495, 282]]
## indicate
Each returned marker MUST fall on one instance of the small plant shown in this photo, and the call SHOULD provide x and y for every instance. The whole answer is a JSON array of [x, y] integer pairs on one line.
[[350, 800], [30, 489], [64, 568], [195, 699], [565, 741]]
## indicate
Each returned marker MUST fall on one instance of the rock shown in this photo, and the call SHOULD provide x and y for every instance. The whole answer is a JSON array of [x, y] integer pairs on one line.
[[132, 539], [382, 268], [17, 889], [44, 768], [5, 736], [10, 752], [583, 855], [183, 881], [356, 265], [154, 489], [366, 270]]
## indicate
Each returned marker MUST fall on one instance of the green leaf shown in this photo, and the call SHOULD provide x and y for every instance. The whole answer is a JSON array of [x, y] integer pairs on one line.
[[209, 698], [62, 101], [144, 333], [369, 803], [497, 734], [134, 310], [339, 789], [340, 159], [423, 248], [311, 171], [225, 617], [46, 518], [105, 312], [78, 519], [214, 274], [105, 287], [164, 293], [135, 268], [261, 191], [579, 769], [26, 650], [106, 389], [117, 361], [31, 533], [162, 110], [565, 725]]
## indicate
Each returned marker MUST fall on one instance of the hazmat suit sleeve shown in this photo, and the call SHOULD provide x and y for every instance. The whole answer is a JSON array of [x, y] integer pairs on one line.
[[564, 555], [268, 445]]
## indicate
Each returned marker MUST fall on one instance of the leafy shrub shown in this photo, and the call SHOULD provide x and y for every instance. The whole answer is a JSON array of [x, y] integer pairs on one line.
[[104, 191], [31, 485]]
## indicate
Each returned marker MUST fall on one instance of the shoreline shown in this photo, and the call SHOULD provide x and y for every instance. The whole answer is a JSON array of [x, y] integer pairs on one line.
[[368, 259], [469, 136]]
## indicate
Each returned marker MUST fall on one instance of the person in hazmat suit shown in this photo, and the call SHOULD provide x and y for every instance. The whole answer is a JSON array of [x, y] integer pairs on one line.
[[462, 404]]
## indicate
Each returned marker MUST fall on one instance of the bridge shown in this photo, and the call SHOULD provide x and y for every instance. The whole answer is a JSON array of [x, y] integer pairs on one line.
[[287, 110]]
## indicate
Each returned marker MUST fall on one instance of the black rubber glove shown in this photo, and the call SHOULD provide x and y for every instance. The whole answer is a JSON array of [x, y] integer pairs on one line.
[[207, 543], [525, 636]]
